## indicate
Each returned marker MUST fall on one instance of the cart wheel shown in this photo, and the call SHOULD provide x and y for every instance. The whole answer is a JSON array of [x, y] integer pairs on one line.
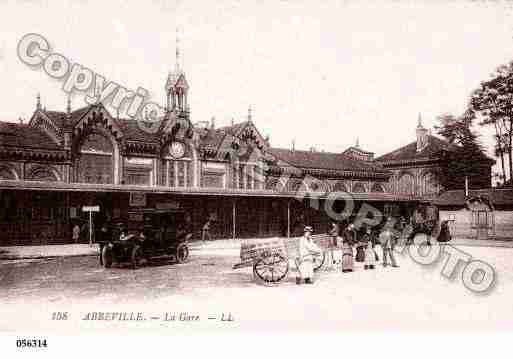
[[182, 253], [272, 268], [107, 256], [136, 256], [319, 261]]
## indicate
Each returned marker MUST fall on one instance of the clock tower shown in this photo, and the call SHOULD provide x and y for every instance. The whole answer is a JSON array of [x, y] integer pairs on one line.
[[176, 122], [177, 87]]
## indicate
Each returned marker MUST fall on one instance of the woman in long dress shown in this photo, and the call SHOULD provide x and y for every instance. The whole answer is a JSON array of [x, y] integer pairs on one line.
[[360, 245], [370, 255], [347, 257]]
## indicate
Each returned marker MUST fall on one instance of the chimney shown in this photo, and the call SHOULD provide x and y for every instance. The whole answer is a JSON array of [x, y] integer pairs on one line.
[[422, 135], [213, 123], [293, 145], [312, 149]]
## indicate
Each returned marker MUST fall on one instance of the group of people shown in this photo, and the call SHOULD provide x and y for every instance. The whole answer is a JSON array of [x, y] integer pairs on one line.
[[342, 248]]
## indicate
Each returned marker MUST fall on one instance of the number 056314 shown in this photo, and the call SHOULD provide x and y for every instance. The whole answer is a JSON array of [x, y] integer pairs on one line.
[[31, 343]]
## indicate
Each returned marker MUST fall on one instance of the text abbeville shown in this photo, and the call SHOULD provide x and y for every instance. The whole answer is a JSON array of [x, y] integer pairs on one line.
[[121, 316]]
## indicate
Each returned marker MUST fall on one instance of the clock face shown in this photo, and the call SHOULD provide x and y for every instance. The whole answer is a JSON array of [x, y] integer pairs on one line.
[[177, 149]]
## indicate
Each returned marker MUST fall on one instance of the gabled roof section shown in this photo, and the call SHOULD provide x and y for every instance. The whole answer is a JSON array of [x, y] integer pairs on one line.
[[358, 154], [356, 149], [176, 79], [409, 152], [224, 140], [234, 129], [132, 131], [16, 135], [59, 117]]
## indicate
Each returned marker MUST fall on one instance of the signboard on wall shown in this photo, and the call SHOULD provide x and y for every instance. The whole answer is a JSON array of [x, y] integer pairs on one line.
[[137, 199], [168, 205]]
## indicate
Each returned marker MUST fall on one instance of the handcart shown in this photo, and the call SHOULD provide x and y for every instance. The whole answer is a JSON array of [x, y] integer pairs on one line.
[[270, 257]]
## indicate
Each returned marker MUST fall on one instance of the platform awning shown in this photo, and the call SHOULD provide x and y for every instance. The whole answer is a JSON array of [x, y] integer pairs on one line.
[[194, 191]]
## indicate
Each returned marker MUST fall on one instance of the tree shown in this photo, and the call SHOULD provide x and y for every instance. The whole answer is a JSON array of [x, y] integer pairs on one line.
[[493, 102], [465, 157]]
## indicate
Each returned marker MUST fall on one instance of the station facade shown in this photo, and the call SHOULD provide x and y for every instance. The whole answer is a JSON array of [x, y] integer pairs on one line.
[[60, 161]]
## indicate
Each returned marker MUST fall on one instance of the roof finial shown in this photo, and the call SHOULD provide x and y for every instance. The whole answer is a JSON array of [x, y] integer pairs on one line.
[[249, 114], [38, 103], [419, 125], [177, 60], [68, 107]]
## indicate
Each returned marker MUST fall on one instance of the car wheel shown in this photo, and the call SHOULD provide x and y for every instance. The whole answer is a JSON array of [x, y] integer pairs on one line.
[[136, 257], [182, 253], [107, 256]]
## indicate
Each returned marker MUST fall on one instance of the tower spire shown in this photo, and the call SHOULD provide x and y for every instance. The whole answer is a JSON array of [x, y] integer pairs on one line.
[[419, 121], [177, 59], [68, 105]]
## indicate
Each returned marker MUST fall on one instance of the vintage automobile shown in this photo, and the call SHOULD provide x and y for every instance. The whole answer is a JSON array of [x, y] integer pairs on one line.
[[151, 235]]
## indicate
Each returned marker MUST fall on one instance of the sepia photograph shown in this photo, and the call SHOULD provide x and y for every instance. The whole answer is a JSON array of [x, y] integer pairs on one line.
[[187, 167]]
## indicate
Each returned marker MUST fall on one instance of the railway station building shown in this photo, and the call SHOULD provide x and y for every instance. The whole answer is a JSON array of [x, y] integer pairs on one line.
[[61, 161]]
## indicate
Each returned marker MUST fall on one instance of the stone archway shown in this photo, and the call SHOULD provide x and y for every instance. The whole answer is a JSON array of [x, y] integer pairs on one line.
[[7, 172]]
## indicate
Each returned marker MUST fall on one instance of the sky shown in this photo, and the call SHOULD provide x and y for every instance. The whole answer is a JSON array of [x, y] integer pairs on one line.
[[319, 74]]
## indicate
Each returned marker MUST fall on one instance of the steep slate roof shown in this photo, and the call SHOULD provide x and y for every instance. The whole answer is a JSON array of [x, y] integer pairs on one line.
[[235, 128], [409, 152], [132, 131], [23, 135], [216, 139], [323, 160], [212, 138], [59, 117], [130, 128], [457, 197]]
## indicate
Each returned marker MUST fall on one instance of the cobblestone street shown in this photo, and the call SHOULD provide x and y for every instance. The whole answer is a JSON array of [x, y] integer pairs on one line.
[[410, 297]]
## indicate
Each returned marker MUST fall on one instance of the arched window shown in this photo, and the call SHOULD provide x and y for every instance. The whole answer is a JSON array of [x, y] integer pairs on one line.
[[429, 184], [7, 173], [294, 184], [42, 174], [377, 187], [358, 187], [95, 163], [316, 185], [271, 184], [339, 187], [406, 184]]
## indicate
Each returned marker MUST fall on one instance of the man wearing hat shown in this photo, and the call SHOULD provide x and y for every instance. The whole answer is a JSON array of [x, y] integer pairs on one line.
[[387, 239], [307, 249]]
